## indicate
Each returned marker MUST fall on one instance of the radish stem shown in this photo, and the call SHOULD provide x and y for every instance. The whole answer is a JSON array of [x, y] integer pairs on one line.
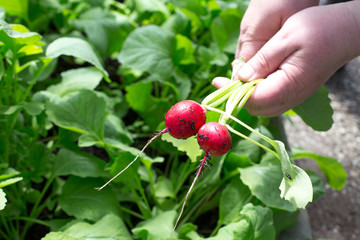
[[251, 140], [244, 125]]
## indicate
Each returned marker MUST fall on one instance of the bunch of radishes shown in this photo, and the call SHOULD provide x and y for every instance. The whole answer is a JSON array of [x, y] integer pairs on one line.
[[188, 118]]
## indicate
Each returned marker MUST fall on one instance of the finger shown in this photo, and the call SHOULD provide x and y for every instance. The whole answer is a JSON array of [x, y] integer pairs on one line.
[[280, 91], [248, 49], [220, 82], [268, 59]]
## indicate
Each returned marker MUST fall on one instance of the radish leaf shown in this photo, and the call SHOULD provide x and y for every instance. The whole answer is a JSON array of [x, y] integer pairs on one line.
[[149, 49], [316, 111], [80, 199], [299, 191], [75, 47], [189, 146]]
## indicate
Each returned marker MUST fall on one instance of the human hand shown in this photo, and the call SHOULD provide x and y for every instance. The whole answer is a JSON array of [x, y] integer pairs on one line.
[[262, 20], [310, 46]]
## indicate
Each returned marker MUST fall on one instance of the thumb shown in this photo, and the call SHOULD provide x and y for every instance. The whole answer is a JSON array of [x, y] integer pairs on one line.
[[267, 60]]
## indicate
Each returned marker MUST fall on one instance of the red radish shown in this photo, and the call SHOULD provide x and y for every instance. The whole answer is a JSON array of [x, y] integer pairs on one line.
[[184, 119], [214, 138]]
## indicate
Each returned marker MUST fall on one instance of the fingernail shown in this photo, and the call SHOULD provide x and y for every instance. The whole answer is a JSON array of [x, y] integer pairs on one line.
[[246, 72]]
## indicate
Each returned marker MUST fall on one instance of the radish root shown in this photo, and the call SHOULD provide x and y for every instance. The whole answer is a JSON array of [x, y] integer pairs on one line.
[[137, 156], [206, 157]]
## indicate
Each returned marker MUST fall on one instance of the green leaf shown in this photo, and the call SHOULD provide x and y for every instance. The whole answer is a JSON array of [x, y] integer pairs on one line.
[[134, 151], [194, 6], [212, 55], [284, 220], [178, 23], [189, 146], [316, 111], [157, 228], [10, 181], [75, 47], [151, 109], [183, 84], [299, 191], [109, 227], [164, 188], [8, 173], [106, 30], [286, 165], [249, 149], [333, 170], [144, 7], [233, 198], [33, 108], [137, 95], [15, 37], [3, 199], [15, 7], [2, 68], [78, 164], [149, 49], [188, 230], [116, 129], [317, 183], [8, 110], [262, 221], [225, 29], [83, 112], [76, 79], [120, 162], [80, 199], [264, 180], [58, 236], [40, 161], [184, 51], [242, 229]]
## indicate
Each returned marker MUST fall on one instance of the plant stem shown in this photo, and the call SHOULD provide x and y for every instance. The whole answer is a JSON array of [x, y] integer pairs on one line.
[[143, 196], [4, 235], [251, 140], [34, 220], [135, 214], [34, 211], [6, 225], [271, 142]]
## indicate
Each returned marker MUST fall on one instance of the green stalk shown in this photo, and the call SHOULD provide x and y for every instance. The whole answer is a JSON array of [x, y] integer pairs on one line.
[[251, 140], [33, 214], [143, 196], [129, 211], [5, 224], [34, 220], [4, 235], [220, 93], [271, 142]]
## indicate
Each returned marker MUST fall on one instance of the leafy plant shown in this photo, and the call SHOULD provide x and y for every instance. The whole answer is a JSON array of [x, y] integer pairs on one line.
[[84, 84]]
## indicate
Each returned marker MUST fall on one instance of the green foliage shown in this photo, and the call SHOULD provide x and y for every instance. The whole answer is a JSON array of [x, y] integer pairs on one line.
[[64, 131], [316, 110]]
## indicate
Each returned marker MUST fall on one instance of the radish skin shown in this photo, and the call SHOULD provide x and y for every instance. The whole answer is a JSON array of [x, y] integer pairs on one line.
[[214, 138], [184, 119]]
